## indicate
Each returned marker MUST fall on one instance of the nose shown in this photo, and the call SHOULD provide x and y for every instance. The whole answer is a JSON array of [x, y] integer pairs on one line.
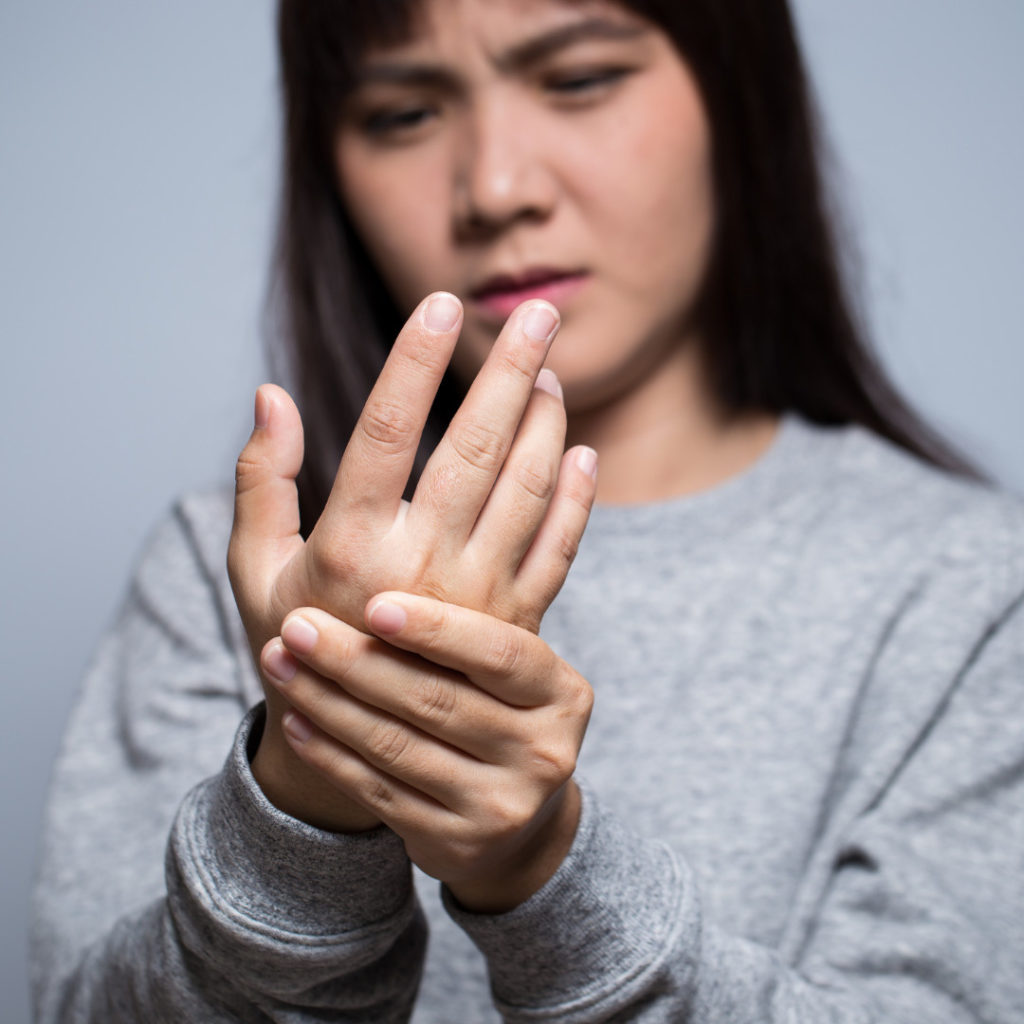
[[502, 175]]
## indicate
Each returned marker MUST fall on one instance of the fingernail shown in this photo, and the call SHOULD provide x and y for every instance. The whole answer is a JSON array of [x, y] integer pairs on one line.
[[547, 381], [279, 664], [442, 312], [261, 411], [296, 726], [386, 617], [540, 322], [299, 634], [586, 460]]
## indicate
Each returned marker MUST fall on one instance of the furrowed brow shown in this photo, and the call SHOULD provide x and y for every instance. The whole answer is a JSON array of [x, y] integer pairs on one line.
[[520, 57], [533, 51], [422, 75]]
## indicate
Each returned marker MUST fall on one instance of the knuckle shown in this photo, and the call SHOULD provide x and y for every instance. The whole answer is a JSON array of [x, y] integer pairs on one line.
[[421, 352], [504, 651], [380, 793], [442, 490], [536, 477], [251, 468], [388, 743], [580, 696], [508, 813], [388, 425], [464, 852], [330, 559], [515, 361], [574, 696], [434, 628], [479, 446], [581, 491], [344, 651], [435, 699], [553, 760], [566, 547], [314, 701], [499, 819], [437, 588], [545, 590]]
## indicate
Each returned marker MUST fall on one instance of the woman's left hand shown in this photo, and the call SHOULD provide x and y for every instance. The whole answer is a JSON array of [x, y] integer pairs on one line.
[[460, 732]]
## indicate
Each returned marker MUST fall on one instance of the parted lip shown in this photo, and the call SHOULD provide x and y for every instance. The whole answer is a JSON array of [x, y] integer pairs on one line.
[[520, 280]]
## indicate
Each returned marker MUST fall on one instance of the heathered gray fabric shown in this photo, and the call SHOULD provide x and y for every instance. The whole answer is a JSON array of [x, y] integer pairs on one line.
[[803, 784]]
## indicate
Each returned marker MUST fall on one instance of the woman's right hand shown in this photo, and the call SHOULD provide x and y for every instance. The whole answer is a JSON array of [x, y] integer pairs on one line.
[[493, 525]]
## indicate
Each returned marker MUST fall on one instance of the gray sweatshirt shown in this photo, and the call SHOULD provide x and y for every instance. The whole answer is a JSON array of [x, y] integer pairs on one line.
[[803, 784]]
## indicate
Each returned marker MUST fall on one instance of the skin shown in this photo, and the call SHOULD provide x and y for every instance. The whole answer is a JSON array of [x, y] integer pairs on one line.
[[484, 545], [405, 680], [463, 156]]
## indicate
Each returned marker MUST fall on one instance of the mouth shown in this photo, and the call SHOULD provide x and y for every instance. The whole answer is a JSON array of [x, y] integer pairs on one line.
[[499, 295]]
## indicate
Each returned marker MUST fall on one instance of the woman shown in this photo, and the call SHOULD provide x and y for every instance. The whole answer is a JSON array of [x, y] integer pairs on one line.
[[787, 658]]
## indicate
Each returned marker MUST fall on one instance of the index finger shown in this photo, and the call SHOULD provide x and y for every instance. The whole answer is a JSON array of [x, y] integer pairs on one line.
[[379, 456], [511, 664]]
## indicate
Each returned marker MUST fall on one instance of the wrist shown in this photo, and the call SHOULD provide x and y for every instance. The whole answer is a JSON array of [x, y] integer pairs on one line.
[[519, 876], [297, 790]]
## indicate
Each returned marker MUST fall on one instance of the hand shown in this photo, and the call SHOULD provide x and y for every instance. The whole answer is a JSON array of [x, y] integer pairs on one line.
[[493, 524], [460, 733]]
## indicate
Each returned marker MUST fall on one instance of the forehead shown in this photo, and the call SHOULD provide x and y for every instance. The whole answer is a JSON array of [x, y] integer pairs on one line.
[[455, 27]]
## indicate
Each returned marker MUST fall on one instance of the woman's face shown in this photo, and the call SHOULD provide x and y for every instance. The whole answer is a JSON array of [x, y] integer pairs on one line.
[[523, 148]]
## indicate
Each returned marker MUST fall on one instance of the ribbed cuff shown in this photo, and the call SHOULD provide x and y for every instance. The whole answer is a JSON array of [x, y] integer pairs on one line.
[[252, 869], [606, 917]]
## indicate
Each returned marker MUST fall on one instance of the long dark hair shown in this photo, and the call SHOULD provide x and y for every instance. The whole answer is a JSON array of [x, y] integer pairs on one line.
[[780, 330]]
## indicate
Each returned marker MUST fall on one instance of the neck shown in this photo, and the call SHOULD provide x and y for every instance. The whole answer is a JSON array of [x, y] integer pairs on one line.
[[666, 437]]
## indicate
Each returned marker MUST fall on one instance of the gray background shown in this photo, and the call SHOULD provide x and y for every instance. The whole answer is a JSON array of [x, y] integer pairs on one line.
[[137, 172]]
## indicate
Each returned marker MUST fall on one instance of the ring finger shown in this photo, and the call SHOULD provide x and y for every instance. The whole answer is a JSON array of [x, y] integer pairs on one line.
[[461, 472], [522, 493]]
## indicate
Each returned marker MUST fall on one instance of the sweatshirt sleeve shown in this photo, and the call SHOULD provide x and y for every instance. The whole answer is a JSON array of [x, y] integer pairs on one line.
[[169, 888], [917, 915]]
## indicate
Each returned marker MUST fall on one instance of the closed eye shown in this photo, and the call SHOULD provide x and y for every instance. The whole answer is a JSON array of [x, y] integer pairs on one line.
[[582, 83], [396, 120]]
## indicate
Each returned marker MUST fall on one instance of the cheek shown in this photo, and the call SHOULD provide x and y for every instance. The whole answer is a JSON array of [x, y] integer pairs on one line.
[[663, 205], [675, 199], [400, 219]]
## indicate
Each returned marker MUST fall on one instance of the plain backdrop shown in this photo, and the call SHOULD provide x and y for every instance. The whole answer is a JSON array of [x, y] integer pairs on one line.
[[138, 156]]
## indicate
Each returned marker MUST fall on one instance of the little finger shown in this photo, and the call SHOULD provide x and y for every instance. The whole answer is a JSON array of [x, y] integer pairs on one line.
[[548, 560]]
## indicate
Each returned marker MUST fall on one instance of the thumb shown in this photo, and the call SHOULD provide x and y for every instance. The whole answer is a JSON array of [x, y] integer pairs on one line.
[[265, 533]]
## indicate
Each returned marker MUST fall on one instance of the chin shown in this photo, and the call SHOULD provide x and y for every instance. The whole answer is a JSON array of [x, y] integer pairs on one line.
[[586, 394]]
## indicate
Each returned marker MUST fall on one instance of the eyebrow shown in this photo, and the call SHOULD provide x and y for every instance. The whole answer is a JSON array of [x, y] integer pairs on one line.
[[520, 57]]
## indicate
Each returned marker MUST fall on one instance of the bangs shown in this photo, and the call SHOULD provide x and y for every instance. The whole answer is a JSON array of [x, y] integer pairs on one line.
[[324, 42]]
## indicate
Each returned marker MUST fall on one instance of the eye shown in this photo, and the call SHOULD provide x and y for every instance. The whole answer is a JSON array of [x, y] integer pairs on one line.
[[398, 121], [584, 82]]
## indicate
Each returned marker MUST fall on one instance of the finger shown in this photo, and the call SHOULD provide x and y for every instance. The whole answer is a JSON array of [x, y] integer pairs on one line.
[[520, 497], [265, 532], [401, 807], [379, 456], [437, 701], [459, 475], [510, 663], [547, 562], [388, 743]]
